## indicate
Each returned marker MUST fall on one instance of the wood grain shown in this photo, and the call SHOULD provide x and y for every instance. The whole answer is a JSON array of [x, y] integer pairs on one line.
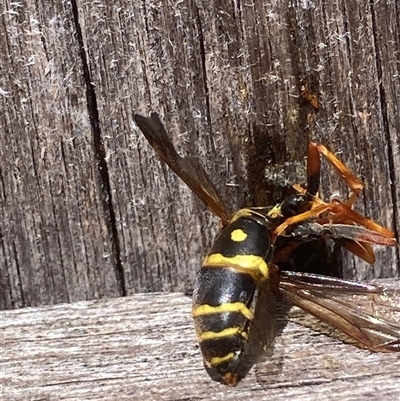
[[144, 347], [89, 211]]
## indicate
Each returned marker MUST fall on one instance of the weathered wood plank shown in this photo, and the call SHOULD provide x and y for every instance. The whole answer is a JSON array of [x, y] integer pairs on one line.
[[56, 237], [227, 79], [143, 347], [82, 220]]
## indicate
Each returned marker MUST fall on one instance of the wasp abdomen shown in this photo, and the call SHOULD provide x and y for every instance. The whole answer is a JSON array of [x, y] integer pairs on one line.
[[223, 306], [225, 293]]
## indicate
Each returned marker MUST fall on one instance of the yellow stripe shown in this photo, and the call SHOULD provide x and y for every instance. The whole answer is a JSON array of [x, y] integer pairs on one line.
[[238, 235], [239, 307], [219, 359], [229, 332], [251, 264]]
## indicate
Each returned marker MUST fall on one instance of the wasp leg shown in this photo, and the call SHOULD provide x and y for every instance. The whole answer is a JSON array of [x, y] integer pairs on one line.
[[339, 213], [347, 175], [360, 249], [300, 217], [342, 213], [342, 223]]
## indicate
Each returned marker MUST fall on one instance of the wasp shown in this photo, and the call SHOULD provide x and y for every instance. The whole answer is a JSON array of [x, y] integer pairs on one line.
[[251, 243]]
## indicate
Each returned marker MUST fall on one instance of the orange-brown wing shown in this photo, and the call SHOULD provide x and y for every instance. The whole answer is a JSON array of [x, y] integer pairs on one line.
[[368, 314], [188, 169]]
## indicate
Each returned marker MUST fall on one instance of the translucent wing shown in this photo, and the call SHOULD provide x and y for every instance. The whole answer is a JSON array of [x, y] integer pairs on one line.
[[188, 169], [368, 314]]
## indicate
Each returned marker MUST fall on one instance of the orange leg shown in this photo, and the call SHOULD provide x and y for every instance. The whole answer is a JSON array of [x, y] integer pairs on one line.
[[337, 212], [342, 213], [347, 175], [314, 169], [298, 218], [361, 249]]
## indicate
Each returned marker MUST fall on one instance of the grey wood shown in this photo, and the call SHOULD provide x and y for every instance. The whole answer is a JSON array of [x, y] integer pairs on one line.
[[143, 347]]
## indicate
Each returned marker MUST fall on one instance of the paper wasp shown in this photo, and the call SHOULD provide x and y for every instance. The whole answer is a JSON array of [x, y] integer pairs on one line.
[[253, 240]]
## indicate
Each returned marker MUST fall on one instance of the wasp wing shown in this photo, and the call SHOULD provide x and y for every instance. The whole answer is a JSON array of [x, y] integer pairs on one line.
[[188, 169], [368, 314]]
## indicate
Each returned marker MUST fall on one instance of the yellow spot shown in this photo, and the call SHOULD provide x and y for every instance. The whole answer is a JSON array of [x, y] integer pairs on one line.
[[239, 307], [250, 264], [229, 332], [238, 235], [220, 359]]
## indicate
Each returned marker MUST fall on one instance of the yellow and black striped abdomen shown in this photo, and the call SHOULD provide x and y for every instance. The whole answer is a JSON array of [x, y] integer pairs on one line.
[[225, 293]]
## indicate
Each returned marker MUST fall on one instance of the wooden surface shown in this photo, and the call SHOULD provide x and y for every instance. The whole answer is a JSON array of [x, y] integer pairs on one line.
[[143, 348], [87, 209]]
